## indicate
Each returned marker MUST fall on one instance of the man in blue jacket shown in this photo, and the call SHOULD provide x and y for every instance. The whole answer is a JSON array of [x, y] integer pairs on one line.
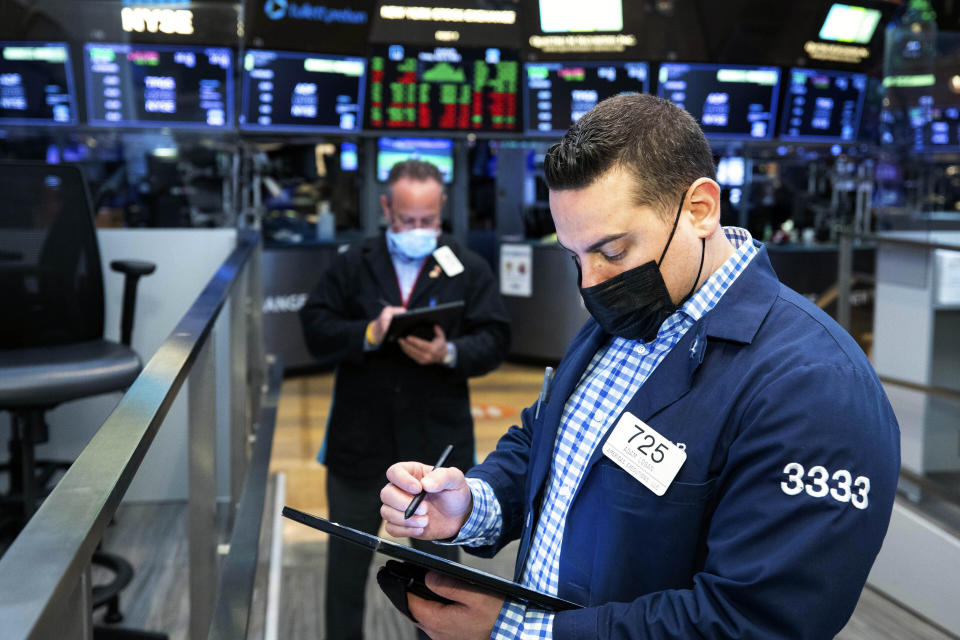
[[716, 457]]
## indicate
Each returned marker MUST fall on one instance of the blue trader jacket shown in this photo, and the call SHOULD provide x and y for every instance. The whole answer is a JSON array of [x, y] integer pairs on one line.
[[772, 523]]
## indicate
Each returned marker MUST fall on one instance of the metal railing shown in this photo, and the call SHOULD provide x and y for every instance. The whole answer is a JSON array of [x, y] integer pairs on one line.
[[45, 576]]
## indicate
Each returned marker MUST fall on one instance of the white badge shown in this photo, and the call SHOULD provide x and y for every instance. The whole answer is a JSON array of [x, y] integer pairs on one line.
[[643, 453], [448, 261]]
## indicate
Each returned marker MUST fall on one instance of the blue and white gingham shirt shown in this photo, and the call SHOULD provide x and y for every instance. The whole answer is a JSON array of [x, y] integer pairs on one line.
[[610, 380]]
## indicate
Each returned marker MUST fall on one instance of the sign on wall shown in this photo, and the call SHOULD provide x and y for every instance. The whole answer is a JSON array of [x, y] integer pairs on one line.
[[516, 270]]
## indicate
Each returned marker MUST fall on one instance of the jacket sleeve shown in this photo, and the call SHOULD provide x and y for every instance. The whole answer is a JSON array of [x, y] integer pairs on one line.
[[485, 331], [803, 504], [331, 334]]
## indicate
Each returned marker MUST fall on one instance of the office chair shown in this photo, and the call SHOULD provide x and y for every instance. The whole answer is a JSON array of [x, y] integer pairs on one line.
[[52, 347]]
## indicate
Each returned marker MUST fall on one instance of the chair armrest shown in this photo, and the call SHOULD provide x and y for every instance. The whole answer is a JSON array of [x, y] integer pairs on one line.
[[133, 267], [131, 270]]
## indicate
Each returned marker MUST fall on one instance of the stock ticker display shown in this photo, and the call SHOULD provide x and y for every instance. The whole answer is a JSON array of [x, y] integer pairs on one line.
[[144, 85], [823, 105], [729, 101], [557, 94], [443, 88], [284, 91], [36, 84]]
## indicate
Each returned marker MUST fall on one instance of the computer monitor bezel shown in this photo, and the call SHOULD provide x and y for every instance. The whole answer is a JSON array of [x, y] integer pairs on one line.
[[71, 89], [784, 117], [775, 95], [381, 178], [526, 102], [435, 131], [229, 103], [307, 128]]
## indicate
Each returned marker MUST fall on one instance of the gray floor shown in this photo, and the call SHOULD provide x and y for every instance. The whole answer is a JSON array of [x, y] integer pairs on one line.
[[153, 538]]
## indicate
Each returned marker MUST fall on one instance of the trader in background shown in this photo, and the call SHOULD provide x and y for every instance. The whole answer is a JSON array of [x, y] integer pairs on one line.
[[403, 400], [716, 457]]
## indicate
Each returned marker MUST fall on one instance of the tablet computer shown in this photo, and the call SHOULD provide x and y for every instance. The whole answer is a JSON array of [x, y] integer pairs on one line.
[[431, 562], [419, 322]]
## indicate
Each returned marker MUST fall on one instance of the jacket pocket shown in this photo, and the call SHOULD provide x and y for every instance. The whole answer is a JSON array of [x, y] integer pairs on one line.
[[625, 487]]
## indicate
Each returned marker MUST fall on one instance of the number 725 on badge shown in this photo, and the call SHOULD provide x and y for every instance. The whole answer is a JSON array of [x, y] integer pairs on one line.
[[643, 453]]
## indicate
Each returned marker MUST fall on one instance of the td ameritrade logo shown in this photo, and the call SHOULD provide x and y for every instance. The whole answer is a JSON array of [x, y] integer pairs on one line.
[[281, 9]]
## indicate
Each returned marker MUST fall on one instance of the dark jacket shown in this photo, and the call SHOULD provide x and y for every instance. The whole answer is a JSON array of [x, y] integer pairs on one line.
[[386, 407], [771, 525]]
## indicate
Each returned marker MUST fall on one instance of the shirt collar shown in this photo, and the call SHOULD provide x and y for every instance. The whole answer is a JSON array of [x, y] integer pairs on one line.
[[709, 294]]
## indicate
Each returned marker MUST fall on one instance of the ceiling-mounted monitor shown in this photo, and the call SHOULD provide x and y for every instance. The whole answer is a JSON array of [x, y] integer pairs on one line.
[[443, 89], [436, 151], [557, 94], [36, 84], [568, 16], [137, 85], [850, 23], [729, 101], [306, 92], [822, 105]]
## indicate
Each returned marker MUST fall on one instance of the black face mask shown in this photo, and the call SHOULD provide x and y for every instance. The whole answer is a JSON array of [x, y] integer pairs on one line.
[[634, 304]]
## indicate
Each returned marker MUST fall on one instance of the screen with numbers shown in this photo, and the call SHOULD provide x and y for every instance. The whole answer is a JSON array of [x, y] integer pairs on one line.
[[149, 85], [443, 88], [822, 105], [729, 101], [935, 127], [284, 91], [556, 94], [36, 84]]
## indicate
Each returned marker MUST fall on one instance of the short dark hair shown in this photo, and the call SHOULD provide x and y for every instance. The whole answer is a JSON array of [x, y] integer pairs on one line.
[[659, 143], [414, 170]]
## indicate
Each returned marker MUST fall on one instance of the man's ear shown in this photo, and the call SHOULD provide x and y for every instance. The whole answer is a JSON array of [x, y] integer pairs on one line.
[[704, 206]]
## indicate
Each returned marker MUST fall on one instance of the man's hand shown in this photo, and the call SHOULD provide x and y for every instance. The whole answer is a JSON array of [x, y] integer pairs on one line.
[[471, 617], [425, 352], [382, 323], [443, 511]]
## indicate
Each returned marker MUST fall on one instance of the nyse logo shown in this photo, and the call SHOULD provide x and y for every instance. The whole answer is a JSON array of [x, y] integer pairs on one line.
[[284, 304], [171, 21]]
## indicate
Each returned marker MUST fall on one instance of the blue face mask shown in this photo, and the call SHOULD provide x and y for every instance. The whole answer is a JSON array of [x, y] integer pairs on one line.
[[413, 244]]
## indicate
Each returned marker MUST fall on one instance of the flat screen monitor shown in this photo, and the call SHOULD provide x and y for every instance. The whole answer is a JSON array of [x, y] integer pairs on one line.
[[850, 23], [135, 85], [568, 16], [286, 91], [557, 94], [437, 151], [349, 161], [443, 88], [731, 171], [822, 105], [36, 84], [935, 127], [729, 101]]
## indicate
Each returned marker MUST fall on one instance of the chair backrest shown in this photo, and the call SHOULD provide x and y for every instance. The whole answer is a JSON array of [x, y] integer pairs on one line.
[[51, 283]]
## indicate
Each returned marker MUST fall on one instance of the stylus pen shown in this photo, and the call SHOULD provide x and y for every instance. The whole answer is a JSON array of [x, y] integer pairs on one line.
[[544, 390], [417, 499]]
